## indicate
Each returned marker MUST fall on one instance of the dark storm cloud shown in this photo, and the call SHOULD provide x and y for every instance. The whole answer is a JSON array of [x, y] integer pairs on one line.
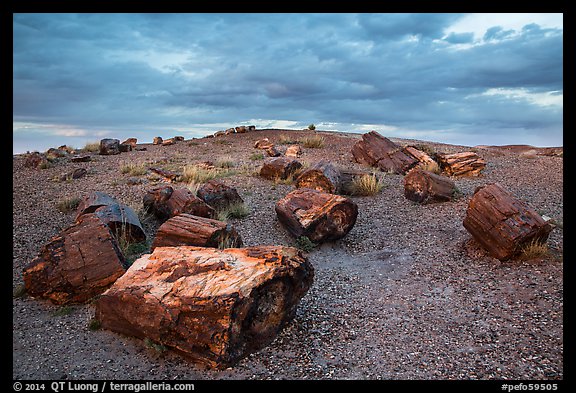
[[404, 70]]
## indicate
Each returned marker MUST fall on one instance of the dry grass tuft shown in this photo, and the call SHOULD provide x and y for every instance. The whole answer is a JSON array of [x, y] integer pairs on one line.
[[366, 185], [313, 142], [536, 248]]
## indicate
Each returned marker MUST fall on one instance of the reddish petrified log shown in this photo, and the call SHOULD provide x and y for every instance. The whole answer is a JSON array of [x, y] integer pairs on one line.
[[427, 187], [218, 195], [293, 151], [279, 167], [93, 201], [157, 140], [165, 202], [76, 265], [188, 230], [130, 141], [322, 176], [215, 306], [425, 162], [318, 215], [167, 175], [501, 223], [461, 164], [378, 151]]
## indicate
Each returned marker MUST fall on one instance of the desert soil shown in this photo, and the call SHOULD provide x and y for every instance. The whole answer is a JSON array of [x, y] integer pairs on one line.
[[405, 295]]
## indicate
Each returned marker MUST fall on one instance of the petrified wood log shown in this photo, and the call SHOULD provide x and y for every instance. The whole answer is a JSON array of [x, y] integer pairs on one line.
[[218, 195], [188, 230], [167, 175], [122, 221], [427, 187], [293, 151], [168, 142], [318, 215], [216, 306], [425, 162], [240, 129], [35, 159], [93, 201], [76, 265], [81, 158], [165, 202], [130, 141], [219, 133], [461, 164], [272, 151], [279, 167], [250, 128], [322, 176], [109, 146], [501, 223], [157, 140], [378, 151], [263, 144]]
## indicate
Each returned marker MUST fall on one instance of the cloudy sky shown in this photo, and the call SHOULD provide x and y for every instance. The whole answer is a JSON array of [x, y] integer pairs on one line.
[[457, 78]]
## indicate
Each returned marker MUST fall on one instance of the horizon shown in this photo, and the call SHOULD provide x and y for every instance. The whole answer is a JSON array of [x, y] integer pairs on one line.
[[462, 79]]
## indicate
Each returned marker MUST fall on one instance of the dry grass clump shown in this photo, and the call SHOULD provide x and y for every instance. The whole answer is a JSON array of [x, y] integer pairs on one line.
[[366, 185], [92, 147], [536, 248], [133, 169], [235, 210], [68, 205], [313, 141]]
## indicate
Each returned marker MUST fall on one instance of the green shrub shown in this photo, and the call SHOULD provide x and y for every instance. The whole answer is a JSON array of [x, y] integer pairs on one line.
[[68, 205], [312, 127], [305, 244]]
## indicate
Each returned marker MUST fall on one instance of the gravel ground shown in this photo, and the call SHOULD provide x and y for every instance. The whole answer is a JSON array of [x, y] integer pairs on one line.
[[406, 295]]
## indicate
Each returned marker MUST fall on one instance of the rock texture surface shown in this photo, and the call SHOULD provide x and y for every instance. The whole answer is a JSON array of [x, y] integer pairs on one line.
[[165, 202], [215, 306], [427, 187]]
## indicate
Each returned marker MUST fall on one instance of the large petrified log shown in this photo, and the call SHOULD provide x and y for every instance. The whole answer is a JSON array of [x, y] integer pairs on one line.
[[77, 264], [426, 187], [93, 201], [466, 163], [216, 306], [122, 221], [279, 167], [218, 195], [188, 230], [322, 176], [318, 215], [426, 162], [165, 202], [378, 151], [501, 223]]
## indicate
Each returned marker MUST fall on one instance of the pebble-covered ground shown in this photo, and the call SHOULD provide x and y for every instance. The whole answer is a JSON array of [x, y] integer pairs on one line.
[[405, 295]]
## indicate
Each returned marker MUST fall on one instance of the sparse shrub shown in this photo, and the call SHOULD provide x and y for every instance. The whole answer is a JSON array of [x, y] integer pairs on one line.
[[225, 163], [312, 127], [155, 346], [134, 169], [61, 311], [256, 156], [45, 164], [195, 174], [68, 205], [19, 291], [92, 147], [286, 140], [426, 149], [366, 185], [305, 244], [235, 210], [536, 248], [94, 324], [313, 142]]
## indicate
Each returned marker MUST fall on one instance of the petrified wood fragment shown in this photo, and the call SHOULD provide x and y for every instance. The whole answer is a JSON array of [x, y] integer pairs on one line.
[[293, 151], [167, 175], [322, 176], [109, 146], [93, 201], [157, 140], [279, 167], [461, 164], [318, 215], [165, 202], [76, 265], [122, 221], [501, 223], [215, 306], [188, 230], [218, 195], [427, 187], [378, 151], [425, 162]]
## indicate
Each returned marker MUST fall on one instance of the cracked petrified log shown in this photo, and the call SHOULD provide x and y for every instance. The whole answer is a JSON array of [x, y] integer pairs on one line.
[[378, 151], [188, 230], [466, 163], [503, 224], [216, 306], [218, 195], [77, 264], [425, 162], [122, 221], [322, 176], [157, 140], [318, 215], [293, 151], [165, 202], [426, 187], [167, 175], [93, 201], [109, 146], [279, 168]]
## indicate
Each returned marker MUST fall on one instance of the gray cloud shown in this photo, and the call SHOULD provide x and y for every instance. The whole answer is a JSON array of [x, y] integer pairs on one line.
[[138, 71]]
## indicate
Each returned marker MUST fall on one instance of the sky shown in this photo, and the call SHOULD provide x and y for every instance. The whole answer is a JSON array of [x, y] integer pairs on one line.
[[466, 79]]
